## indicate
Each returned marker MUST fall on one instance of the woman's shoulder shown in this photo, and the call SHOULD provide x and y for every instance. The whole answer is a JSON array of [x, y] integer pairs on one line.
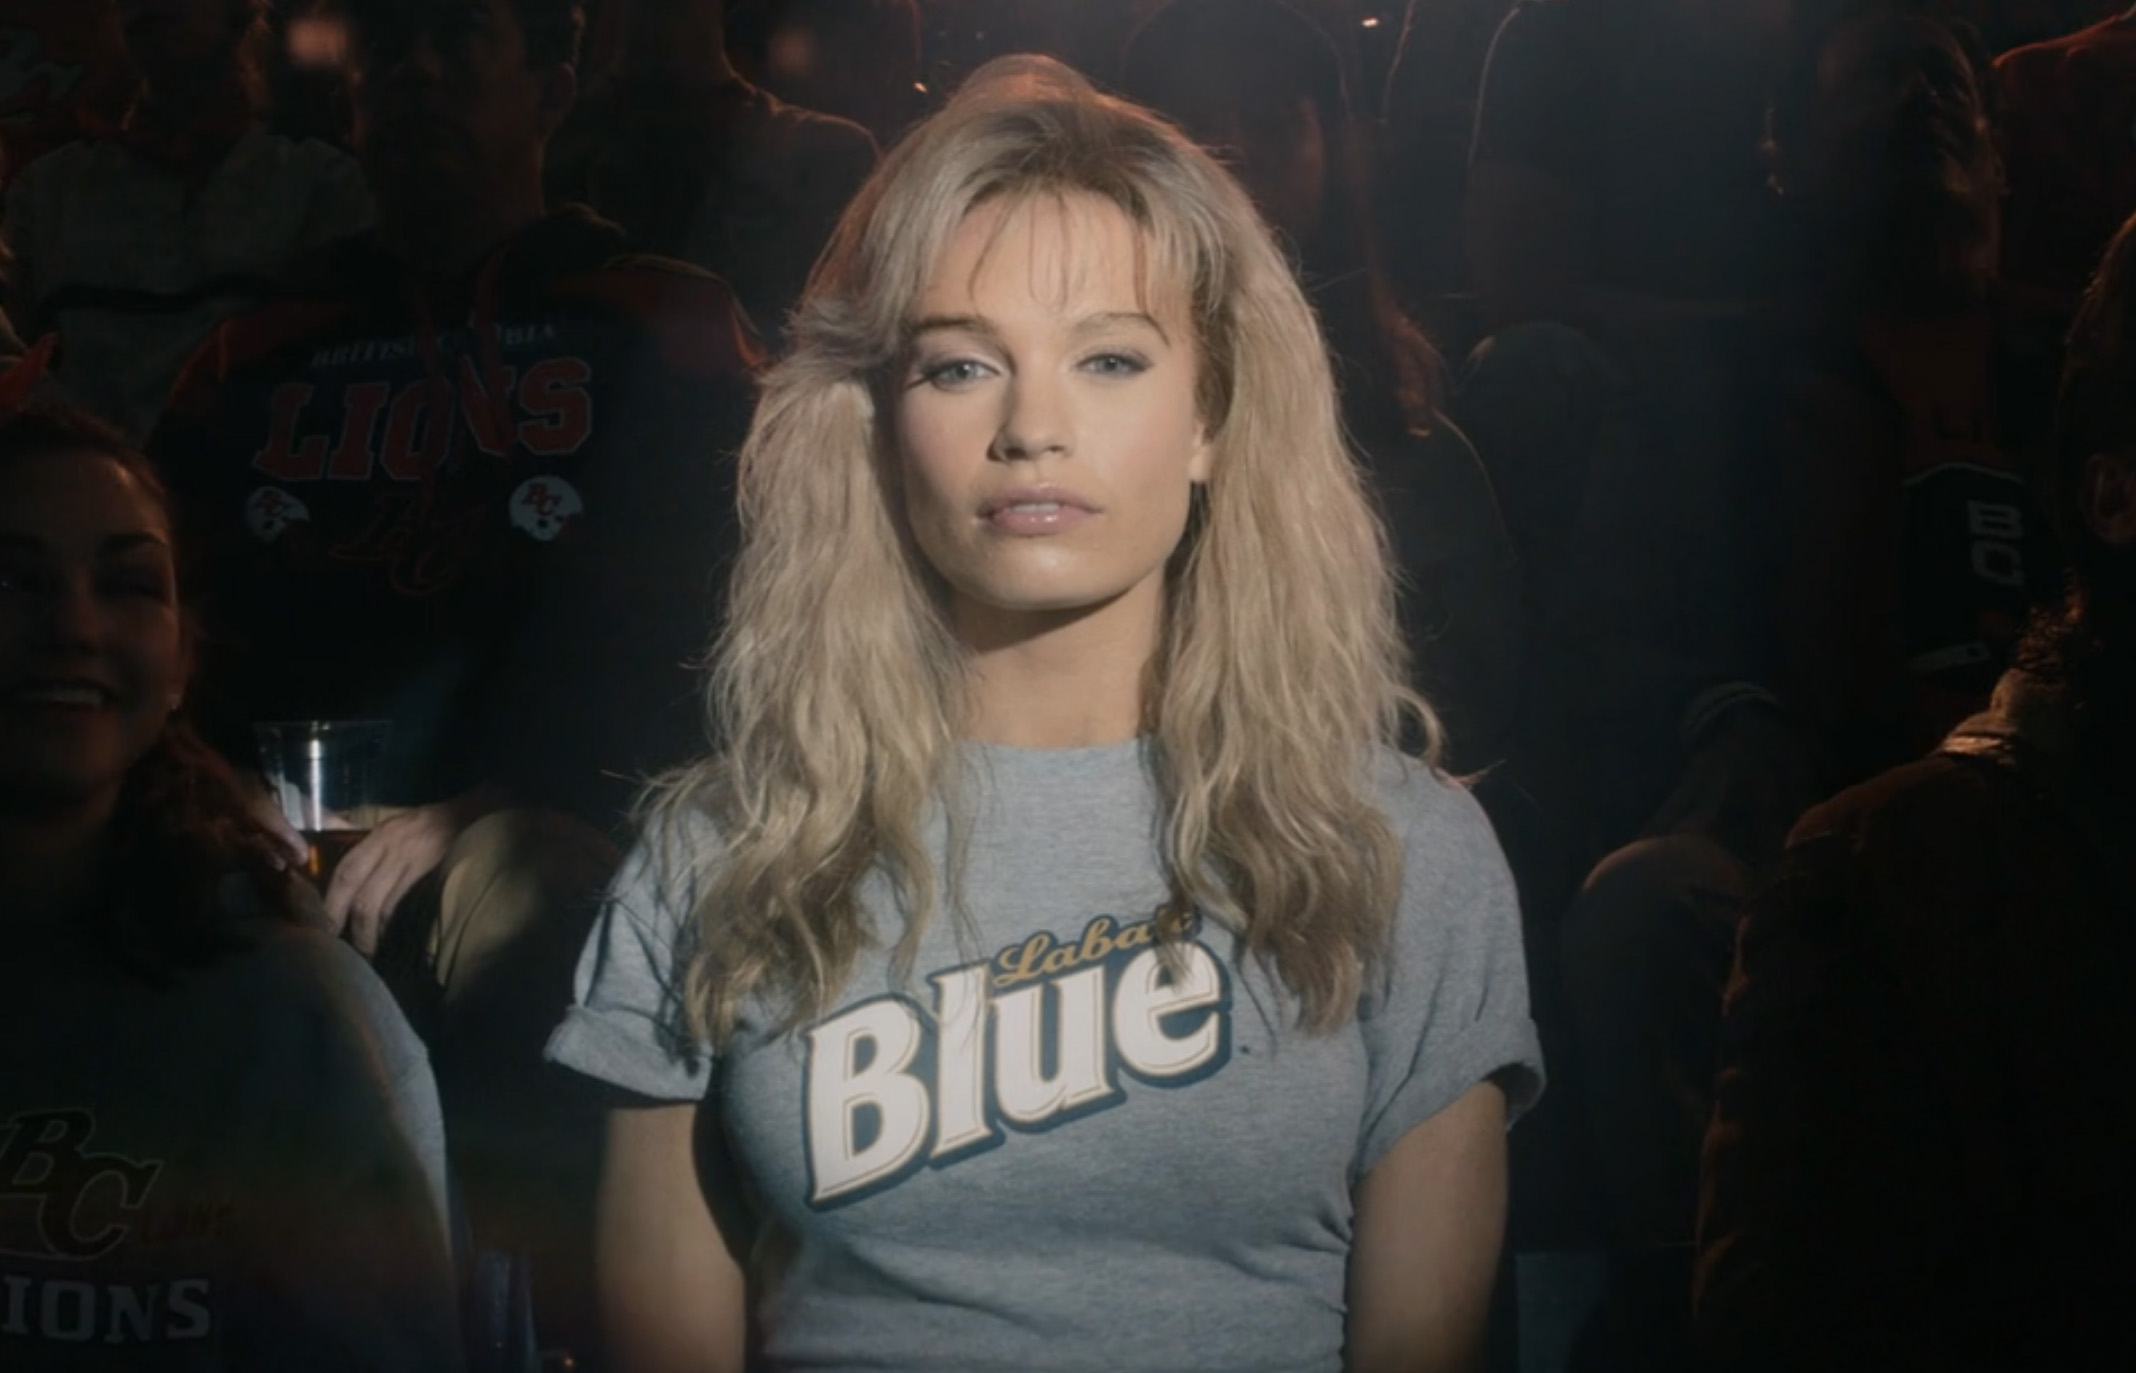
[[673, 847], [669, 844], [273, 948], [1430, 807], [1451, 858], [318, 990]]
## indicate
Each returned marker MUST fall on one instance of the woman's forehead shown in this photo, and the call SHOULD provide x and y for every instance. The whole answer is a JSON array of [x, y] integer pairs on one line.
[[75, 490], [1061, 246]]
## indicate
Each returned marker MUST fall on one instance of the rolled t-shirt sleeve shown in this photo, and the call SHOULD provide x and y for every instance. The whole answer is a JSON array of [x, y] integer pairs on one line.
[[625, 1026], [1450, 1009]]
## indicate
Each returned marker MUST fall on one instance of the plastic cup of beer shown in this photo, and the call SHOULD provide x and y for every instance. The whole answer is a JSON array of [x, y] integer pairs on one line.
[[324, 775]]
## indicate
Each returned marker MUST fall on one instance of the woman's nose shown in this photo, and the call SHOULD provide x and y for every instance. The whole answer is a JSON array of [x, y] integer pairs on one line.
[[1035, 422], [70, 614]]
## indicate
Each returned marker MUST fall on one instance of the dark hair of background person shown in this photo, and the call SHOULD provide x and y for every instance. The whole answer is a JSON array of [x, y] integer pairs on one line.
[[553, 30], [1381, 353], [183, 827]]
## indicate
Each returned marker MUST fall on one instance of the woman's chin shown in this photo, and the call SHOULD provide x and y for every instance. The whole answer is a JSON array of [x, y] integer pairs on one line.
[[56, 783]]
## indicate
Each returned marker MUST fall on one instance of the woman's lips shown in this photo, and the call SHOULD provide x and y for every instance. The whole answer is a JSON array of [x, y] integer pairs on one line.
[[1037, 517], [1043, 508], [60, 695]]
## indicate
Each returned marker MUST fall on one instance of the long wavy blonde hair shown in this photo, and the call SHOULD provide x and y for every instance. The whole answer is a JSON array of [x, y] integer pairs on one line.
[[838, 687]]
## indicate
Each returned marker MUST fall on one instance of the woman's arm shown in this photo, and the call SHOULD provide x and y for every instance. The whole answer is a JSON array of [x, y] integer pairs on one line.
[[671, 1294], [1430, 1220]]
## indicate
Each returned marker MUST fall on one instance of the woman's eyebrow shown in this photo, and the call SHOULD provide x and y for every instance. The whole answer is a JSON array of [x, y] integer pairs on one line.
[[111, 545], [128, 542], [1109, 319], [984, 328], [966, 324]]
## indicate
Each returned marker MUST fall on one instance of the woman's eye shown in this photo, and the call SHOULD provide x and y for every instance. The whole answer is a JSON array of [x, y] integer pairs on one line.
[[1116, 364], [953, 372], [148, 586]]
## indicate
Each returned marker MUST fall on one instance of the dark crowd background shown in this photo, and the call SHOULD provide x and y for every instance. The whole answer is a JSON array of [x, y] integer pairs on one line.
[[1714, 363]]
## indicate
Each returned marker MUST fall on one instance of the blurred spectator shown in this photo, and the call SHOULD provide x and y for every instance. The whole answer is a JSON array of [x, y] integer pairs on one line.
[[958, 35], [1260, 82], [1619, 235], [1919, 1154], [856, 59], [1614, 182], [1888, 555], [134, 246], [2007, 24], [2069, 147], [307, 71], [1920, 553], [1086, 36], [604, 35], [468, 476], [2069, 108], [219, 1139], [1429, 122], [63, 76], [696, 163]]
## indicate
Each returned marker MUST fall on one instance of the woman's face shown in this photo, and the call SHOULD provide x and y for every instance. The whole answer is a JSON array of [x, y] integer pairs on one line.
[[91, 656], [1046, 420]]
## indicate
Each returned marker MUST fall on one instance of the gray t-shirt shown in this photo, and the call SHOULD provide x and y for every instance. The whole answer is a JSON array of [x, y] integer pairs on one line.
[[1040, 1153], [238, 1167]]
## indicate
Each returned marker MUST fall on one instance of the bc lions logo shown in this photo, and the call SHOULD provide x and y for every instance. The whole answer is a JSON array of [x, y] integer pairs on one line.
[[43, 1160], [270, 511], [544, 507], [23, 68]]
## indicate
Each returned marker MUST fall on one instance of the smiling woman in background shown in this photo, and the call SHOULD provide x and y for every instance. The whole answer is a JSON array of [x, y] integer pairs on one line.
[[219, 1141], [1059, 967]]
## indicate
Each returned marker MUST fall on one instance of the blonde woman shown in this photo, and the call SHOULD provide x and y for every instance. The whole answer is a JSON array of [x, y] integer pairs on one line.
[[1059, 968]]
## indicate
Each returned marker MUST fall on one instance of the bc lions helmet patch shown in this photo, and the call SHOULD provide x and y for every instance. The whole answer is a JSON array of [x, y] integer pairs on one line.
[[544, 507], [270, 510]]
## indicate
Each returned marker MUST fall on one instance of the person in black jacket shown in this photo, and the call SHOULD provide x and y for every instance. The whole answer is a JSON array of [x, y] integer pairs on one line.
[[1919, 1152]]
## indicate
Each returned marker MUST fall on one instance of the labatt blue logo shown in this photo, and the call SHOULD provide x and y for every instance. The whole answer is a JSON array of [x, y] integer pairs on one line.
[[1041, 1033]]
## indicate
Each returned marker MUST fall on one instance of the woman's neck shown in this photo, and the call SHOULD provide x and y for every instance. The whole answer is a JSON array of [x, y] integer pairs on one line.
[[1067, 681], [51, 866]]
